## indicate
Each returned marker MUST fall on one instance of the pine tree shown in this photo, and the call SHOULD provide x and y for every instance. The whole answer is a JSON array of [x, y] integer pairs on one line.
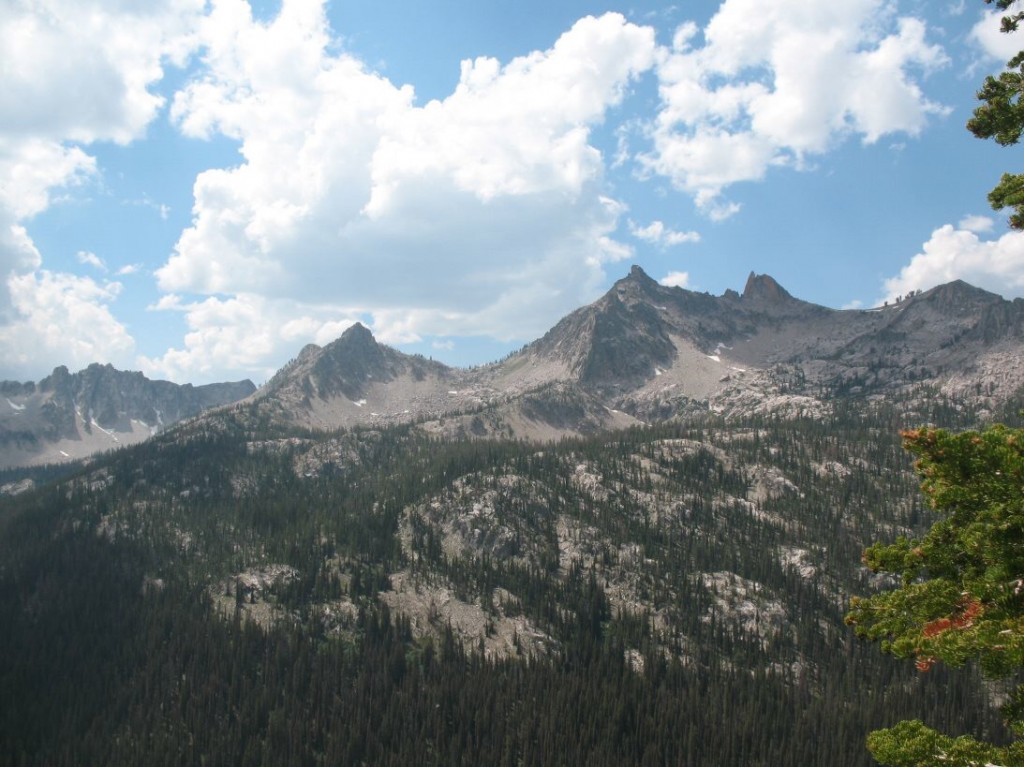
[[1001, 117], [962, 593]]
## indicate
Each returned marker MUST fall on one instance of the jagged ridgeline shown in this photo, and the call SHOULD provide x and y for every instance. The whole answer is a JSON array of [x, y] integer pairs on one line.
[[233, 593], [69, 416], [646, 353], [642, 353]]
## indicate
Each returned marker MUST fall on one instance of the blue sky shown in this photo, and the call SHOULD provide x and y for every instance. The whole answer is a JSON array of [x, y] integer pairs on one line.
[[198, 189]]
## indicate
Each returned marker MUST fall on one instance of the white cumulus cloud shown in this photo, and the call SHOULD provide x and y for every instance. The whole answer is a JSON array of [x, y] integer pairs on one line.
[[988, 35], [657, 233], [244, 335], [30, 170], [82, 70], [482, 213], [960, 254], [90, 258], [976, 223], [774, 82], [74, 72], [61, 319], [676, 280]]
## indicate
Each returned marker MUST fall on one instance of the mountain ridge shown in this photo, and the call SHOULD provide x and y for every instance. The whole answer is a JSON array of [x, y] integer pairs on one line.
[[67, 416], [645, 352], [641, 353]]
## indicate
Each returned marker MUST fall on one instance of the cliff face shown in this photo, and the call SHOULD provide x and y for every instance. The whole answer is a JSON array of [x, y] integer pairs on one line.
[[70, 415]]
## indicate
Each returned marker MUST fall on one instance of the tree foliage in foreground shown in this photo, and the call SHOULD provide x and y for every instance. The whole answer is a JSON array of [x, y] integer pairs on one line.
[[961, 598], [1001, 117]]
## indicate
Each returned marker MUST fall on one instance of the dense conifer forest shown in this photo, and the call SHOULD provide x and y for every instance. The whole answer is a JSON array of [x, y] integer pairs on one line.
[[131, 635]]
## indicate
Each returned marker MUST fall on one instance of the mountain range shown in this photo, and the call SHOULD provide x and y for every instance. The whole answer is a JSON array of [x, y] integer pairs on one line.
[[642, 353], [645, 353], [68, 416]]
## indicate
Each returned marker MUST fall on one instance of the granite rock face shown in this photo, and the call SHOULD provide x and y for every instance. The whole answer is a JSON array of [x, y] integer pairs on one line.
[[71, 415]]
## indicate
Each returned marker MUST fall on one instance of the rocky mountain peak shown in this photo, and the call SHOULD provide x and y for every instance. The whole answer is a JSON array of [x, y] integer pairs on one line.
[[358, 333], [959, 296], [640, 277], [983, 316], [347, 364], [762, 287], [637, 286], [60, 377], [357, 344]]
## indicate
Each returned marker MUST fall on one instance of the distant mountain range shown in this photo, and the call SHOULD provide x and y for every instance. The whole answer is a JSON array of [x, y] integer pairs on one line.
[[67, 415], [642, 353], [646, 353]]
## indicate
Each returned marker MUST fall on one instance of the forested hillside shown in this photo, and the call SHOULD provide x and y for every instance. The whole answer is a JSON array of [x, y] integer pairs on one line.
[[226, 594]]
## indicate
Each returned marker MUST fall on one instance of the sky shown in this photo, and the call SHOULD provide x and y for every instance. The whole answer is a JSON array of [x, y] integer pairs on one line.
[[198, 188]]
